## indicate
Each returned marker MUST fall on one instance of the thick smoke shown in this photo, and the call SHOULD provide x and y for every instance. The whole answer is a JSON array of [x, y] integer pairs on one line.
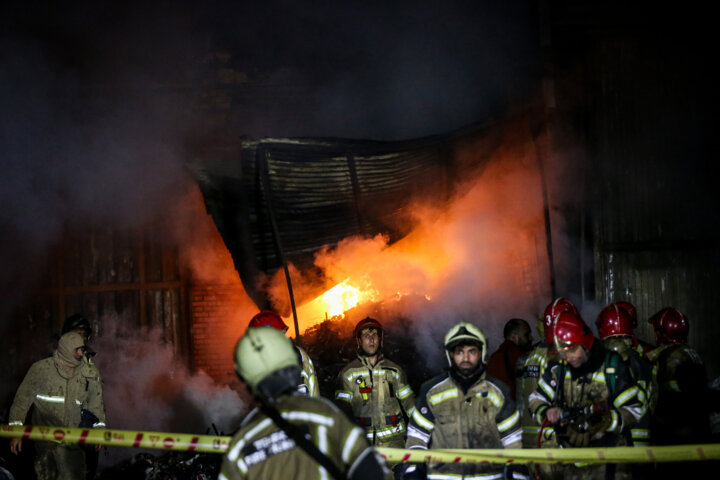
[[146, 388], [480, 258]]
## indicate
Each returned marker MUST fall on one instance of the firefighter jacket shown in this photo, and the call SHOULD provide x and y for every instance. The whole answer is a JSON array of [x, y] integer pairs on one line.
[[309, 385], [262, 450], [600, 397], [682, 412], [480, 416], [58, 401], [378, 397], [530, 368]]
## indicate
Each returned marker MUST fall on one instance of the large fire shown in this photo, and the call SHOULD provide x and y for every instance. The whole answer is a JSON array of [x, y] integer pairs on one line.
[[482, 252]]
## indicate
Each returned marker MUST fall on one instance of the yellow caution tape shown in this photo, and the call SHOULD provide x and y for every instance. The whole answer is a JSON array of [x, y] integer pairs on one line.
[[219, 444], [676, 453], [120, 438]]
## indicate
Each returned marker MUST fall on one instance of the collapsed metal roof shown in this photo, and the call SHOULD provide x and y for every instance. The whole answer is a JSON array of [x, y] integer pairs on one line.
[[286, 198]]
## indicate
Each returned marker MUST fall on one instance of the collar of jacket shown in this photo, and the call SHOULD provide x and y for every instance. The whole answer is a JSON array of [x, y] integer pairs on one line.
[[364, 359], [465, 382]]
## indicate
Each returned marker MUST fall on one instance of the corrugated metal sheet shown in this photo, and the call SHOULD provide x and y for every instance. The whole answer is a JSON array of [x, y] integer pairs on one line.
[[655, 222], [320, 191]]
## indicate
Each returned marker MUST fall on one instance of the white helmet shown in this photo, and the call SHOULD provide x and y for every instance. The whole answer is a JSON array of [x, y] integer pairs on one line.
[[465, 333], [268, 362]]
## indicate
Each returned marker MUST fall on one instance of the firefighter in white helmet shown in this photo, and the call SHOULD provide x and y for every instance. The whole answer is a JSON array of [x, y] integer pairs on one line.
[[463, 408], [374, 390], [291, 435]]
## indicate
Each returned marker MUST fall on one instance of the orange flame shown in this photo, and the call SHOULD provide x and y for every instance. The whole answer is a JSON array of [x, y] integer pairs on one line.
[[482, 252]]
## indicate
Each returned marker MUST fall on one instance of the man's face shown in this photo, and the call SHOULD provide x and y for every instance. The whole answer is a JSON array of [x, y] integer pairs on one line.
[[466, 358], [78, 353], [81, 331], [369, 341], [523, 338], [576, 356]]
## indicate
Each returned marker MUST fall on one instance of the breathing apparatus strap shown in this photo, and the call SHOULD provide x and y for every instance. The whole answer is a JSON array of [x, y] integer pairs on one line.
[[302, 441]]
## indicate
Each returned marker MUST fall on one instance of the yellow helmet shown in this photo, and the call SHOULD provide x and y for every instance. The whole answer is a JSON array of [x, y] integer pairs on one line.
[[465, 333], [267, 361]]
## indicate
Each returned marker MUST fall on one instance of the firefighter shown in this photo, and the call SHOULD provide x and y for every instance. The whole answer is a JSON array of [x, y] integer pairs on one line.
[[79, 324], [640, 345], [62, 389], [588, 395], [374, 390], [289, 434], [463, 408], [615, 328], [502, 364], [309, 384], [681, 414], [531, 367]]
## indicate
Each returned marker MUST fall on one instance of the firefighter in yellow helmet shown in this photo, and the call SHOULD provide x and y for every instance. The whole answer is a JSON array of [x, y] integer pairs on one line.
[[309, 383], [463, 408], [59, 388], [374, 390], [291, 435]]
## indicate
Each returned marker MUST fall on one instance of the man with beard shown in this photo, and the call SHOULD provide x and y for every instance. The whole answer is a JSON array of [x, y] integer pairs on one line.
[[374, 390], [59, 388], [503, 362], [463, 408], [589, 396]]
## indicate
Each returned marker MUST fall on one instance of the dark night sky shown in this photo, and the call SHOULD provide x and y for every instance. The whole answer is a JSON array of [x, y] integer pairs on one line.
[[356, 69], [97, 96]]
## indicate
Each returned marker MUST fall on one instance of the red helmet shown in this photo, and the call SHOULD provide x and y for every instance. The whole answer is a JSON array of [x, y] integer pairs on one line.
[[613, 320], [553, 309], [570, 330], [267, 318], [368, 322], [629, 308], [670, 326]]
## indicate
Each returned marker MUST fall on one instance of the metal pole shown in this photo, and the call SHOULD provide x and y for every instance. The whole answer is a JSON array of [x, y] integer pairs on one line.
[[265, 176]]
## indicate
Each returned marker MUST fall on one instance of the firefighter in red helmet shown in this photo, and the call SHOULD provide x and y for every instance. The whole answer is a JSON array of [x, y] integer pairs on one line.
[[641, 346], [373, 390], [530, 368], [615, 328], [588, 395], [309, 384], [681, 415]]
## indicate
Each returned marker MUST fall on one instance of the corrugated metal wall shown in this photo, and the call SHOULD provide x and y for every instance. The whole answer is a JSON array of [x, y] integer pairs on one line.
[[655, 221]]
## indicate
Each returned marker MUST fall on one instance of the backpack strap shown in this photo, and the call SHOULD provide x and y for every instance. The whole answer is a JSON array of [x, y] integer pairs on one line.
[[611, 363]]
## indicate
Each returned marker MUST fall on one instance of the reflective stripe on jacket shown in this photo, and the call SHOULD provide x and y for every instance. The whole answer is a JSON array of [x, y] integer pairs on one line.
[[58, 401], [309, 385], [377, 396], [483, 417], [261, 450], [589, 387]]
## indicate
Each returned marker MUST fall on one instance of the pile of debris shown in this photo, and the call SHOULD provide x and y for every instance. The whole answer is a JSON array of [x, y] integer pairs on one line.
[[168, 466]]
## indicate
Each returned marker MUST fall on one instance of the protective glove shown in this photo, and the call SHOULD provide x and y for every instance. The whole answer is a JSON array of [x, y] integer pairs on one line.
[[578, 438], [599, 424]]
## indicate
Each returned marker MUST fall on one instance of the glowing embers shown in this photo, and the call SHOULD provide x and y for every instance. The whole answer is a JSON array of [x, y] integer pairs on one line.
[[344, 296]]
